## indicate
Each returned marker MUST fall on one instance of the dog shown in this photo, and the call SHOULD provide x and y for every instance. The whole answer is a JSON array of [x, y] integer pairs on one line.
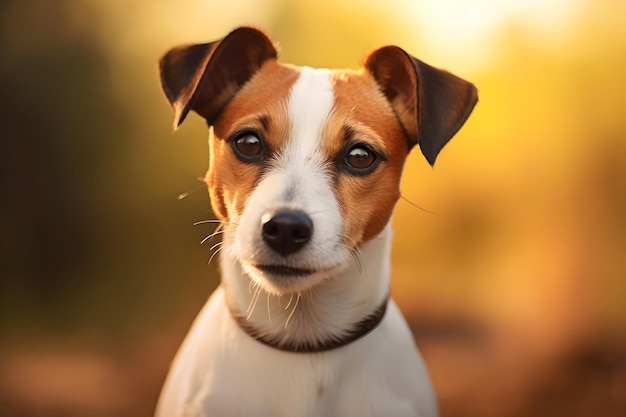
[[304, 174]]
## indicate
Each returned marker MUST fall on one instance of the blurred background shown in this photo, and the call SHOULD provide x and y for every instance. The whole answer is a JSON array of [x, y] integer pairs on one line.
[[515, 288]]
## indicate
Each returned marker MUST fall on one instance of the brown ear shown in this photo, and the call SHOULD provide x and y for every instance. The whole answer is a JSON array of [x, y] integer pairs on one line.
[[431, 104], [205, 77]]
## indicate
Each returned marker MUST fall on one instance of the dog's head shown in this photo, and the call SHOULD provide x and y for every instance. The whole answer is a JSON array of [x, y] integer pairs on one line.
[[306, 163]]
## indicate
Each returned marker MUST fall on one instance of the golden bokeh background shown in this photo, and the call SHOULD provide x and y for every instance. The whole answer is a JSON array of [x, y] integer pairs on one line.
[[515, 287]]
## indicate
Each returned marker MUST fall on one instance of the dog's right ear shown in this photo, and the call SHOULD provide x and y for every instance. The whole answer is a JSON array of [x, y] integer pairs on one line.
[[205, 77]]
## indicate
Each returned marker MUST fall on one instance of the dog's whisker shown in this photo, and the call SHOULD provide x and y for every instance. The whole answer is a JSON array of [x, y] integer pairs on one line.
[[207, 221], [212, 235], [356, 255], [186, 194], [253, 302], [218, 250], [249, 309], [220, 223], [295, 306], [258, 295], [289, 303], [418, 207], [218, 230], [269, 310]]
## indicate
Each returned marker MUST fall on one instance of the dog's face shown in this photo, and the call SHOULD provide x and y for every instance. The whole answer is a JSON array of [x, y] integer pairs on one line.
[[306, 164], [320, 149]]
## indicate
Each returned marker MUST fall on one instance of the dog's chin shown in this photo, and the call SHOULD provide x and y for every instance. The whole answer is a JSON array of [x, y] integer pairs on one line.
[[283, 279]]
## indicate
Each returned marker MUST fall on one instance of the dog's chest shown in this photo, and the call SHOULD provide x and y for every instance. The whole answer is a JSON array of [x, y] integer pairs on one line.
[[232, 374]]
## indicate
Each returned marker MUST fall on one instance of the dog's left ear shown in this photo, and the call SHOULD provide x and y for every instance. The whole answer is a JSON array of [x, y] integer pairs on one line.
[[205, 77], [431, 104]]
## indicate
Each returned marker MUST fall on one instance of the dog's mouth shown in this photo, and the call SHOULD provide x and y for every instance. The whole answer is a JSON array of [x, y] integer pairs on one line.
[[280, 278], [284, 270]]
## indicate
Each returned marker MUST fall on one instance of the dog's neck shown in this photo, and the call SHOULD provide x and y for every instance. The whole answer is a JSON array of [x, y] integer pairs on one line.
[[330, 311]]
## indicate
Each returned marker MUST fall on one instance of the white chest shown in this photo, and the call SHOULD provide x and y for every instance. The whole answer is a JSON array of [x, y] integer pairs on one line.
[[221, 371]]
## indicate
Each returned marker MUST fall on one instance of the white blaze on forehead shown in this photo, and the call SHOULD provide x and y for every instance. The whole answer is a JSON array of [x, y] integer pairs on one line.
[[310, 103], [298, 177]]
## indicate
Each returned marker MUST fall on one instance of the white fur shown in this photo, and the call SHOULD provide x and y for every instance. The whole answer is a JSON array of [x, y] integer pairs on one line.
[[299, 179], [222, 371]]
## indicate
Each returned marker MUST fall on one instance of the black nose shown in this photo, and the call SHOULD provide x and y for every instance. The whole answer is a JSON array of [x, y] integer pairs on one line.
[[286, 231]]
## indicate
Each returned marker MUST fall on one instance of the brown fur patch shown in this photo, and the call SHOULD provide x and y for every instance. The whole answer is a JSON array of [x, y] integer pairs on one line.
[[260, 105], [366, 201]]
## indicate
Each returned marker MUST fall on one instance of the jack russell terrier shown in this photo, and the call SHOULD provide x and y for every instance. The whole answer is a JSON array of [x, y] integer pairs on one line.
[[304, 174]]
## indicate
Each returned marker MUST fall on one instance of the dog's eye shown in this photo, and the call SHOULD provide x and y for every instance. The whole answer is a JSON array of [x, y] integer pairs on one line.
[[360, 157], [249, 147], [360, 160]]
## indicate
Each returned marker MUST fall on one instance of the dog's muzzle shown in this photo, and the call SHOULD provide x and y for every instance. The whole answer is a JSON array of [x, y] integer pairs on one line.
[[286, 231]]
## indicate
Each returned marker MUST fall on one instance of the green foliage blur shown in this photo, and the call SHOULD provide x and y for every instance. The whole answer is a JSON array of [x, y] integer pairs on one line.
[[91, 240]]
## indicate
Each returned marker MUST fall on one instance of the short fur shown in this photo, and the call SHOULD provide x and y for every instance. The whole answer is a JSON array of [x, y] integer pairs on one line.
[[304, 174]]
